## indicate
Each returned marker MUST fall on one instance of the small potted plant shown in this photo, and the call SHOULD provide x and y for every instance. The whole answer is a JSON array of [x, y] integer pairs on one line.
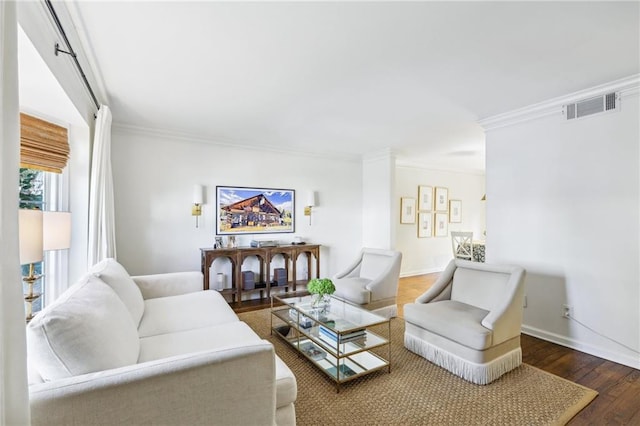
[[321, 288]]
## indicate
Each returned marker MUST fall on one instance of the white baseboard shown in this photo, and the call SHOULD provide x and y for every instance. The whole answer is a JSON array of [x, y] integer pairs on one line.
[[419, 272], [568, 342]]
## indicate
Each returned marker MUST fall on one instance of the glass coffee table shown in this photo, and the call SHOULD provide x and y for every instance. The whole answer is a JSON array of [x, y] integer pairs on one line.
[[336, 338]]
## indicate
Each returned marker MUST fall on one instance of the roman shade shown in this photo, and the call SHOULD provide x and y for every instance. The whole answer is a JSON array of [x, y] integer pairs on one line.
[[43, 145]]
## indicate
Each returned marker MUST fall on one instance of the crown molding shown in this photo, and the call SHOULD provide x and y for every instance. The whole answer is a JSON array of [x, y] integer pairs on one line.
[[407, 164], [174, 136], [626, 86], [383, 154]]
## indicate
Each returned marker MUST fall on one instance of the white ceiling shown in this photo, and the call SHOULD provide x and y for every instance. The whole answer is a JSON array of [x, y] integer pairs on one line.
[[350, 78]]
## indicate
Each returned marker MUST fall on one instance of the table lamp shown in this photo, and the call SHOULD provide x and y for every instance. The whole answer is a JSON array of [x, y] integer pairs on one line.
[[38, 232], [30, 237]]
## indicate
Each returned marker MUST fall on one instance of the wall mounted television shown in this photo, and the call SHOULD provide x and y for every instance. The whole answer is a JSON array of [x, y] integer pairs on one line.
[[241, 210]]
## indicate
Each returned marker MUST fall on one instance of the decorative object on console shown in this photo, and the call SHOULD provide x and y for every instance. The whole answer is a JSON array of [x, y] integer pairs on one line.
[[221, 281], [196, 209], [254, 210], [218, 244], [264, 243], [297, 241], [248, 280], [279, 277], [311, 202]]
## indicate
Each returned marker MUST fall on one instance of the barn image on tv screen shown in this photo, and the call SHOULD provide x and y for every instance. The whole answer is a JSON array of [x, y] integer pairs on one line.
[[258, 211]]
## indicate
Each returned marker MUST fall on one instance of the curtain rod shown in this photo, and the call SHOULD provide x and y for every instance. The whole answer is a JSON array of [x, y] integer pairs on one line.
[[70, 51]]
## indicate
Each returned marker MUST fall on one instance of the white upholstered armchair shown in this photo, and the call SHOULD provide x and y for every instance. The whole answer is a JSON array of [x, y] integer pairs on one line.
[[469, 321], [371, 281]]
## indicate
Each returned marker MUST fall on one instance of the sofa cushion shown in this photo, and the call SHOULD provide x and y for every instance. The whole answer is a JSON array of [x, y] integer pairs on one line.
[[455, 320], [353, 289], [195, 340], [114, 274], [184, 312], [215, 337], [87, 329], [479, 287], [374, 265]]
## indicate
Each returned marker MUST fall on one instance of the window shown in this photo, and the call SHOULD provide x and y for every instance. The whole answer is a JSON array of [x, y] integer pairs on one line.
[[44, 153], [32, 197]]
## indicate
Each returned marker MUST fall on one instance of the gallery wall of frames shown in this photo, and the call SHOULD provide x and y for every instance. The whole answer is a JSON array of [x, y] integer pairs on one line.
[[432, 211]]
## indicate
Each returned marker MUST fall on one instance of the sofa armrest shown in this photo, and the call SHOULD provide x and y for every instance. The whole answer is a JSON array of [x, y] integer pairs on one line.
[[441, 289], [505, 319], [169, 284], [353, 270], [230, 386], [386, 285]]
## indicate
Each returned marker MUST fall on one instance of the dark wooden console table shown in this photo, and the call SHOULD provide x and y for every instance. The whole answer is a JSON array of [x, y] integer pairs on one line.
[[265, 255]]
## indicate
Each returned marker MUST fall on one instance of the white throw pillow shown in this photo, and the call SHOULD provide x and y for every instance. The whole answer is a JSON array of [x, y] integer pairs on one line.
[[114, 274], [87, 329]]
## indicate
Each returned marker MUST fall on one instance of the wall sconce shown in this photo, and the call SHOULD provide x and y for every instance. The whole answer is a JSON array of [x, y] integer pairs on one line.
[[311, 202], [196, 209]]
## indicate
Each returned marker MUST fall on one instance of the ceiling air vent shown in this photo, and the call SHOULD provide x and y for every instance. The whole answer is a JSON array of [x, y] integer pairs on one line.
[[585, 107]]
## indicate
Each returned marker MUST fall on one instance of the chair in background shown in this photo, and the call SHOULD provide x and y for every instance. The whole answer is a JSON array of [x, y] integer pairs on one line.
[[469, 320], [371, 281], [462, 245]]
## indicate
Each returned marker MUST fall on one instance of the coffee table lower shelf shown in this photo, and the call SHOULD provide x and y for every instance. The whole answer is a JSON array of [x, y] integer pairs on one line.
[[343, 362]]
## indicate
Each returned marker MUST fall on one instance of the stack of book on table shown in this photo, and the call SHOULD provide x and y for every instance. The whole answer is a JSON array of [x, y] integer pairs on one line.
[[330, 336]]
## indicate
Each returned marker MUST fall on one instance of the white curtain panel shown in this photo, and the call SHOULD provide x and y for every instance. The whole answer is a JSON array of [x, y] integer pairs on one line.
[[102, 232], [14, 393]]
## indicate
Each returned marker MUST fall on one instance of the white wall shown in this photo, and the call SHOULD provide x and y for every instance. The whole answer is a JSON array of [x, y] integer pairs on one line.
[[378, 212], [154, 175], [563, 201], [426, 255]]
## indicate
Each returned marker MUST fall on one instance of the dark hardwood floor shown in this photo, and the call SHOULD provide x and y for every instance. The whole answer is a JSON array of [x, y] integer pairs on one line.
[[618, 386]]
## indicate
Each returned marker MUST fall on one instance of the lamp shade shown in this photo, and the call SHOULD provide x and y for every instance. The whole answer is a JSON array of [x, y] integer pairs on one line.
[[197, 194], [56, 227], [311, 199], [30, 236]]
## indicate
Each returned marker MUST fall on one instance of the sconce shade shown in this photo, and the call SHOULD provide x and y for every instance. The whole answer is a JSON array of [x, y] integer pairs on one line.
[[197, 194], [56, 227], [30, 236], [311, 199]]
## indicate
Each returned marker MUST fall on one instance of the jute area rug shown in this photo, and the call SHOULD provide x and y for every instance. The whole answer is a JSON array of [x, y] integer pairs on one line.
[[417, 392]]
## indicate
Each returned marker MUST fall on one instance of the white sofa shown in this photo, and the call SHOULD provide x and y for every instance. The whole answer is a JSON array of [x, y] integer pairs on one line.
[[155, 349]]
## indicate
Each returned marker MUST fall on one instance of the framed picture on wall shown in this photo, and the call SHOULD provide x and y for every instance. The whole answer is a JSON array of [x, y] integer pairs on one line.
[[425, 198], [425, 224], [242, 210], [441, 225], [407, 210], [455, 211], [441, 199]]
